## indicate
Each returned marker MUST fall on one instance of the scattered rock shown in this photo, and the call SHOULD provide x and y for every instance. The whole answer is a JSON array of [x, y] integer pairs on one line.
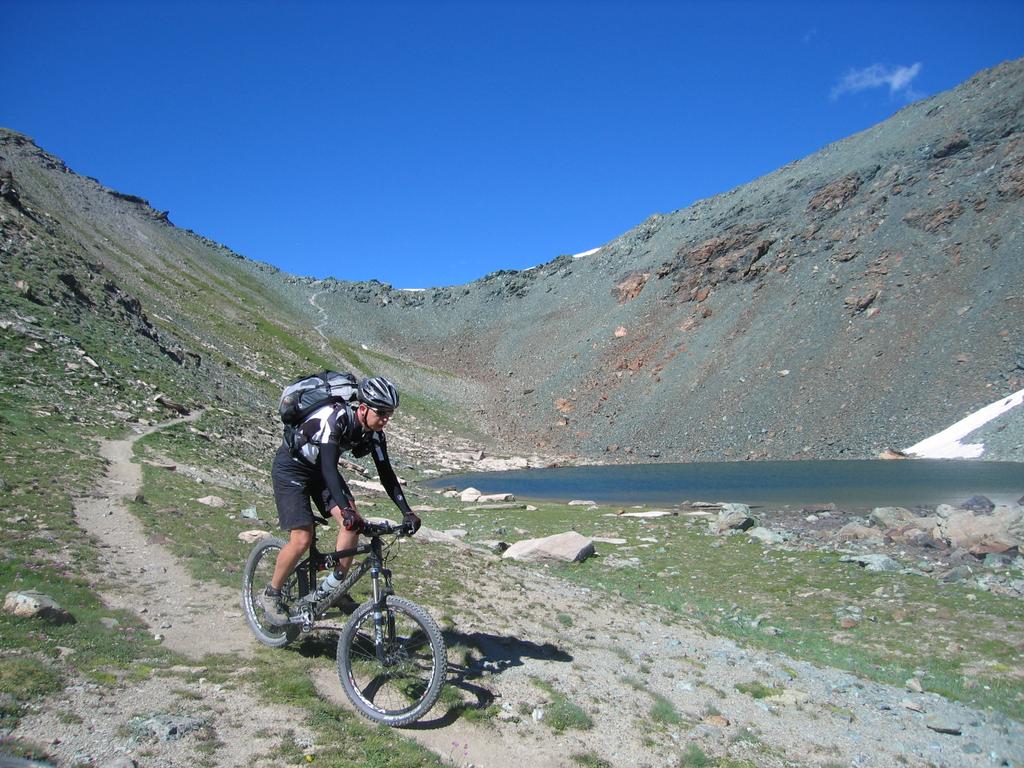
[[213, 501], [791, 697], [487, 498], [431, 536], [166, 727], [891, 454], [766, 535], [980, 535], [733, 517], [249, 513], [251, 537], [890, 517], [31, 604], [978, 503], [565, 547], [857, 532], [494, 545], [469, 495], [943, 725], [878, 563], [171, 405], [647, 514], [582, 503]]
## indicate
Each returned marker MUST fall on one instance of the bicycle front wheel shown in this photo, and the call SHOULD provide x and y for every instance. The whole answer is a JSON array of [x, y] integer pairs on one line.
[[401, 687], [258, 570]]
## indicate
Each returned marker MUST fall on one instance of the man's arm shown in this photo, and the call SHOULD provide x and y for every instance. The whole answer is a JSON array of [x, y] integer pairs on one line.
[[389, 480], [338, 488]]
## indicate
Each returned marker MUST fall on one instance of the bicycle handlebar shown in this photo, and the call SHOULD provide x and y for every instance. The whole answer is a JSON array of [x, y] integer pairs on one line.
[[383, 528]]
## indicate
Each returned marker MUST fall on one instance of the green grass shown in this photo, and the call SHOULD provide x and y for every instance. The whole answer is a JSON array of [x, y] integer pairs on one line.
[[758, 690], [590, 760], [694, 757], [664, 711], [561, 714]]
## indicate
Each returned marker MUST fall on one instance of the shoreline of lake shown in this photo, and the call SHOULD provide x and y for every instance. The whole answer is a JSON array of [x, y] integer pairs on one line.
[[849, 483]]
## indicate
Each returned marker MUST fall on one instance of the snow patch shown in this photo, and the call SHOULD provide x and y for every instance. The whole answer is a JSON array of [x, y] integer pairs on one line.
[[586, 253], [946, 444]]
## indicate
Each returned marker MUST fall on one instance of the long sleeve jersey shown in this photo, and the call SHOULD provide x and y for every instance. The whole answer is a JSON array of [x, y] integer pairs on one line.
[[330, 431]]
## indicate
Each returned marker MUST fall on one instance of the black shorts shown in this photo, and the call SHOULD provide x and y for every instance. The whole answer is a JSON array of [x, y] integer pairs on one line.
[[295, 484]]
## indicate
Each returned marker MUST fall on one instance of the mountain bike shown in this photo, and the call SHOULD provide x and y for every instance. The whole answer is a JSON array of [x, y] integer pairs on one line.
[[391, 655]]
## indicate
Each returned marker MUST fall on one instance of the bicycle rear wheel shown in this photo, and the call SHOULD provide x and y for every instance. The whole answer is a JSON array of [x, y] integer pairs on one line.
[[258, 570], [402, 688]]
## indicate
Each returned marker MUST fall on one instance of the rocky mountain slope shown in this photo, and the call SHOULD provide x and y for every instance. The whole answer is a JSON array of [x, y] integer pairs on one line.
[[864, 297]]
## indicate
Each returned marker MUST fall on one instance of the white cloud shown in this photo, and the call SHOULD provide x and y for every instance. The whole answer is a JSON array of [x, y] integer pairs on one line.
[[899, 79]]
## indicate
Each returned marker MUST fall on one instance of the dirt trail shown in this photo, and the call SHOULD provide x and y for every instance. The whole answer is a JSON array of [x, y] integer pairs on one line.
[[511, 628], [195, 618], [325, 343]]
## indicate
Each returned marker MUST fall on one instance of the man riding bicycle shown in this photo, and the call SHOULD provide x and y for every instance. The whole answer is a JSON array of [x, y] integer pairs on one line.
[[308, 469]]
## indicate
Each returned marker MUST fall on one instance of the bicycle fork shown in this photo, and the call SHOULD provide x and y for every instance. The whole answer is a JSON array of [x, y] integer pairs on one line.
[[382, 632]]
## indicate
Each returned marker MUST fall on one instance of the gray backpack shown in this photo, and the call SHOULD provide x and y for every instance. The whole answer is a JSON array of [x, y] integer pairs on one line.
[[307, 393]]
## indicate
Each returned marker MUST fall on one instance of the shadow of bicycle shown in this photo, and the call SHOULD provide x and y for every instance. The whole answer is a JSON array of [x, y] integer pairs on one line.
[[497, 653], [493, 655]]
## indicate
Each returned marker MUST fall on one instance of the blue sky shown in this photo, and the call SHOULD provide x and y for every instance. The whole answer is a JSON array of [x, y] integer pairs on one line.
[[430, 143]]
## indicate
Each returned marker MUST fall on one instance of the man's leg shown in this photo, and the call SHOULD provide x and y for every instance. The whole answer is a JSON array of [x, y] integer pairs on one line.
[[346, 540], [299, 540], [273, 602]]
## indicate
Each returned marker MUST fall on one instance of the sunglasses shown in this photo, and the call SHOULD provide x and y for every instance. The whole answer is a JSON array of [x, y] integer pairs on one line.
[[383, 413]]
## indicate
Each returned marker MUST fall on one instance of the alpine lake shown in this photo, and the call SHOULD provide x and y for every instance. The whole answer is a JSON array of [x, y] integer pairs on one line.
[[849, 484]]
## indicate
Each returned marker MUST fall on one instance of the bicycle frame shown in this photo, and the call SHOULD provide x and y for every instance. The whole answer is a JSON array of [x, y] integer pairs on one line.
[[373, 564]]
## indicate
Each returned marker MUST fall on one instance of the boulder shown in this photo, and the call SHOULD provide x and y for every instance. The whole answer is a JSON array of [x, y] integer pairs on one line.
[[32, 605], [568, 547], [857, 532], [999, 532], [166, 727], [733, 517], [212, 501], [766, 535], [915, 534], [489, 498], [978, 504], [890, 517], [470, 495], [494, 545], [582, 503], [251, 537], [430, 536], [648, 514], [878, 563], [368, 485]]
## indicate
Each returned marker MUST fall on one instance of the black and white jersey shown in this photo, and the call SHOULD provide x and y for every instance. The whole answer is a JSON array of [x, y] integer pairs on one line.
[[334, 429], [335, 423]]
